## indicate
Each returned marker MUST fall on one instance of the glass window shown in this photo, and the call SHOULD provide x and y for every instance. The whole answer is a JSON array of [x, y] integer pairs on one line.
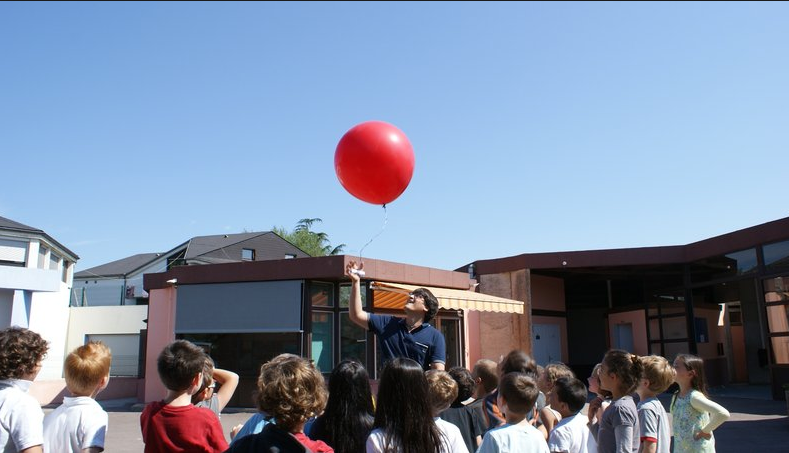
[[729, 265], [42, 257], [353, 340], [322, 351], [322, 294], [247, 255], [345, 294], [54, 261], [778, 318], [776, 256], [450, 328]]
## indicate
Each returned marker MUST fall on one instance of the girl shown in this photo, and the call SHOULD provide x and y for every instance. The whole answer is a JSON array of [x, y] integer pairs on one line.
[[618, 428], [598, 405], [694, 416], [403, 417], [549, 417], [348, 418]]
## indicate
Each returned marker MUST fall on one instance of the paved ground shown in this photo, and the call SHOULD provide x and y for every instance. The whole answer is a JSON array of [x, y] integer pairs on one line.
[[757, 423]]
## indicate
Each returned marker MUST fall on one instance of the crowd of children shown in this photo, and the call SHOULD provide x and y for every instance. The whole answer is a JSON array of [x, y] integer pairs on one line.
[[512, 406]]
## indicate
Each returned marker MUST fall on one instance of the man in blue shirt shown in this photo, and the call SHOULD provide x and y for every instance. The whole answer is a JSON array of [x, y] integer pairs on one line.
[[411, 337]]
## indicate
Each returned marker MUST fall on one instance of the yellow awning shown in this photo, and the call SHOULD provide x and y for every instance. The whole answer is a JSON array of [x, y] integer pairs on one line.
[[394, 296]]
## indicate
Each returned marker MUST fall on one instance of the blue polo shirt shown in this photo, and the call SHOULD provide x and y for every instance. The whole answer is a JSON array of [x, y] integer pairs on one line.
[[424, 345]]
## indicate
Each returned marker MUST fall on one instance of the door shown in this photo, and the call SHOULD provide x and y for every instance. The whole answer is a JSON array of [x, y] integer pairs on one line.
[[546, 343]]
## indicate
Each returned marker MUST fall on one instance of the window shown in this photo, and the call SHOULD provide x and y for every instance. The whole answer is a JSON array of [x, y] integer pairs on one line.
[[289, 256], [776, 256], [322, 335], [13, 252], [776, 298], [247, 255], [54, 261]]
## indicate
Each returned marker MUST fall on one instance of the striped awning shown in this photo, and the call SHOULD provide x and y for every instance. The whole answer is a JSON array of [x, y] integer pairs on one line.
[[394, 296]]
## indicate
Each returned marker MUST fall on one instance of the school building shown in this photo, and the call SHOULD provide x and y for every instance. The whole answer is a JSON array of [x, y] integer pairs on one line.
[[723, 298]]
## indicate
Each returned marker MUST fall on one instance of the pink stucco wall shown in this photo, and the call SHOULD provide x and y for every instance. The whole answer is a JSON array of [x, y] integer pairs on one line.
[[638, 320], [161, 331], [547, 293]]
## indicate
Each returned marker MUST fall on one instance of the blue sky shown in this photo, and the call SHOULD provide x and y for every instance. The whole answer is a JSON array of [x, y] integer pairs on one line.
[[130, 127]]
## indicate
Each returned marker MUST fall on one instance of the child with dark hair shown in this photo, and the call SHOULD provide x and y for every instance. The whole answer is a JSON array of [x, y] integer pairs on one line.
[[80, 423], [618, 430], [403, 419], [517, 395], [549, 416], [174, 424], [349, 415], [570, 435], [466, 418], [516, 361], [292, 391], [694, 415], [21, 417], [208, 395]]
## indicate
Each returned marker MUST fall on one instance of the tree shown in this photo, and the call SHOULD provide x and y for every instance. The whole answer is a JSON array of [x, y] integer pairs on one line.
[[314, 243]]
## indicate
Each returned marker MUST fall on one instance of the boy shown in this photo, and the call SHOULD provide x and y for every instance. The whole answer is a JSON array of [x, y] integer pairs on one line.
[[208, 396], [466, 418], [21, 417], [80, 424], [652, 419], [174, 424], [442, 390], [570, 435], [517, 394]]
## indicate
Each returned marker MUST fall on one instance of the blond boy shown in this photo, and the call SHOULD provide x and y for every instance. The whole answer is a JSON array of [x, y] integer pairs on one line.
[[80, 424], [652, 419], [442, 390]]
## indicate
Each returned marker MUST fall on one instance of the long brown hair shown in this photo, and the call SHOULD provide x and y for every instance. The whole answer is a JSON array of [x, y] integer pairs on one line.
[[696, 365]]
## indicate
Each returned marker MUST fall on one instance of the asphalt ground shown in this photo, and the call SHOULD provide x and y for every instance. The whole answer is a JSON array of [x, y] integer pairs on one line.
[[756, 423]]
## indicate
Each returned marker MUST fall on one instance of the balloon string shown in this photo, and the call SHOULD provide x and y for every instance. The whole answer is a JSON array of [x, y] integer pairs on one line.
[[386, 219]]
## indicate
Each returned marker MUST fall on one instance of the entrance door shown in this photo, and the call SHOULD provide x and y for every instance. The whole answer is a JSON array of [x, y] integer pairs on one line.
[[623, 336], [546, 343]]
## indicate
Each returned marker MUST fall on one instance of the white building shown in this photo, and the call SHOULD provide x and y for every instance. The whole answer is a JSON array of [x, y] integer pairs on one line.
[[35, 282]]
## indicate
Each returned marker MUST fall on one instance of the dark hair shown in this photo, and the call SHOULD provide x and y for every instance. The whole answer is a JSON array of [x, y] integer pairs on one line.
[[696, 365], [571, 391], [485, 370], [348, 418], [179, 363], [519, 392], [291, 390], [626, 366], [465, 383], [431, 303], [21, 351], [403, 412], [518, 361]]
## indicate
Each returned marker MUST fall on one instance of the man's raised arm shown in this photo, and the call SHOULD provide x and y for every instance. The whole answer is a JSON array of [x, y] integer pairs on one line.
[[356, 312]]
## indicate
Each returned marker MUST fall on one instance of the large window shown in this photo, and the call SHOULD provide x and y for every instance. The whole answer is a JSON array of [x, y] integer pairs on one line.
[[730, 265], [330, 317], [776, 298]]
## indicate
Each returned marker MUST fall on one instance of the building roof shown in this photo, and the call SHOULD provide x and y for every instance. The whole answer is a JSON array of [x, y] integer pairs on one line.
[[196, 249], [11, 225], [765, 233], [119, 268], [200, 245]]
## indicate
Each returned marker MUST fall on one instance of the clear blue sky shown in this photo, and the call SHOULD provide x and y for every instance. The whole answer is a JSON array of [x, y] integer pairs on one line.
[[130, 127]]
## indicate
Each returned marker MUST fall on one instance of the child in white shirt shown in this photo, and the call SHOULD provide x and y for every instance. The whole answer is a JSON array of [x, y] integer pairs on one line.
[[80, 424]]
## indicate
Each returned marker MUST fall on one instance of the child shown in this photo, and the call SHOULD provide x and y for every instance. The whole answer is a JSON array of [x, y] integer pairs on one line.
[[549, 416], [618, 428], [208, 396], [694, 416], [291, 390], [652, 419], [598, 405], [465, 417], [570, 435], [80, 424], [348, 418], [174, 424], [442, 390], [517, 395], [21, 417], [403, 419]]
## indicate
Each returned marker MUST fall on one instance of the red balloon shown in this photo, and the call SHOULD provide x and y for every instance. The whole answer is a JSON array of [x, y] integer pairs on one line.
[[374, 162]]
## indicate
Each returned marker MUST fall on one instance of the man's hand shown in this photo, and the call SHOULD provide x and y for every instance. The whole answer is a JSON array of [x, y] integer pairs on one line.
[[350, 268]]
